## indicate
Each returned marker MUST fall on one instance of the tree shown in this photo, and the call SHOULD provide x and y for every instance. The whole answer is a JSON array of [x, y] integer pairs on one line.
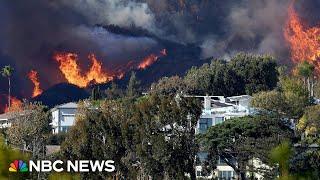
[[114, 92], [169, 86], [259, 72], [166, 145], [289, 100], [306, 70], [280, 155], [30, 129], [207, 79], [309, 123], [300, 162], [239, 140], [272, 101], [96, 93], [243, 74], [133, 85], [7, 72], [296, 97], [102, 133]]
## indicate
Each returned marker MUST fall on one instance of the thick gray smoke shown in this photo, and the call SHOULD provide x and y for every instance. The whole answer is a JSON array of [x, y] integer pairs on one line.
[[119, 12], [254, 26]]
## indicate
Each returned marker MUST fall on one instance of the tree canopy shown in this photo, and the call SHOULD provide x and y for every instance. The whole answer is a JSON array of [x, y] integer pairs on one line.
[[243, 74], [239, 140]]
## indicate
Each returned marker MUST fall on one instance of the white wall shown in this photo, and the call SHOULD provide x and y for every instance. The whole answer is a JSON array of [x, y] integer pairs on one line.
[[62, 119]]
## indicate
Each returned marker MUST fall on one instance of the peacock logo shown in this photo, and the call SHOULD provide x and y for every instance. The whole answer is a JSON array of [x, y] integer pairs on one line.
[[18, 166]]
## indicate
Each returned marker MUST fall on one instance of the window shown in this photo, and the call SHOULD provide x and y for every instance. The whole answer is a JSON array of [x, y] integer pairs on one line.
[[204, 124], [225, 175], [221, 161], [218, 120], [64, 129], [201, 174], [201, 157]]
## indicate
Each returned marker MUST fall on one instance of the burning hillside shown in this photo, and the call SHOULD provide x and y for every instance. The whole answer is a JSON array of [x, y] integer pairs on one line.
[[304, 41], [68, 65]]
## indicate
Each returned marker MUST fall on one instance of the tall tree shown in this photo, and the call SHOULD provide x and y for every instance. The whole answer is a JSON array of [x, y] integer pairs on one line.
[[30, 129], [7, 72], [290, 99], [169, 86], [309, 124], [243, 74], [96, 93], [102, 133], [239, 140], [133, 85], [113, 92], [166, 145], [306, 71]]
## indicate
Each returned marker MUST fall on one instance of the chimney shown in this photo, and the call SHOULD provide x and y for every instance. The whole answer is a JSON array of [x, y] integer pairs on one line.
[[207, 102]]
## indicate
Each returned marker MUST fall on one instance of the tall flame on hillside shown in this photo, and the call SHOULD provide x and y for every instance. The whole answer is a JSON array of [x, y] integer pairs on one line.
[[149, 60], [304, 41], [72, 72], [34, 78], [68, 65]]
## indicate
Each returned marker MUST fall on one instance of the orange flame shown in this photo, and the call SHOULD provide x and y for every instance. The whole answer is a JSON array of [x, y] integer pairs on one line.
[[33, 76], [16, 105], [71, 71], [149, 60], [304, 41]]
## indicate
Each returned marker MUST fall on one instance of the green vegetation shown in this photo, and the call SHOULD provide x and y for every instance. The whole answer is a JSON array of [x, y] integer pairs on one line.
[[238, 141], [244, 74]]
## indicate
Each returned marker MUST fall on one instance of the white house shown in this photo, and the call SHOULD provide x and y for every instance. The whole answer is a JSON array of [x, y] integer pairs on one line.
[[8, 118], [5, 120], [218, 109], [63, 117]]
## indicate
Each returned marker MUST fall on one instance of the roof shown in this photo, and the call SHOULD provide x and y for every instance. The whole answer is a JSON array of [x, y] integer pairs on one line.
[[12, 115], [70, 105], [236, 98], [5, 116], [216, 104]]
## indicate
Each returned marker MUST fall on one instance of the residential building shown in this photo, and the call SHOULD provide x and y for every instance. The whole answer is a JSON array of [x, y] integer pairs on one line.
[[216, 110], [63, 117], [8, 118]]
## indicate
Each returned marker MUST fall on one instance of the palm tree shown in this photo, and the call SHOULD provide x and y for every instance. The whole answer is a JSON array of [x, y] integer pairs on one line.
[[7, 72]]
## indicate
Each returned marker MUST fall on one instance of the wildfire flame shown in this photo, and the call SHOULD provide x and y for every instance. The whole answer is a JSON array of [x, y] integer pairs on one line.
[[71, 71], [304, 41], [149, 60], [33, 76], [68, 65], [16, 105]]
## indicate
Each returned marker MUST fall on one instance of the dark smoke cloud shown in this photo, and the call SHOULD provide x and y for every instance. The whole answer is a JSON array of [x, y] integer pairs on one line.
[[253, 26]]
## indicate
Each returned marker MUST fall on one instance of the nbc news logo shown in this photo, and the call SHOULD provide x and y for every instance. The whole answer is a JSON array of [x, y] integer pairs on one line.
[[58, 166], [18, 166]]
